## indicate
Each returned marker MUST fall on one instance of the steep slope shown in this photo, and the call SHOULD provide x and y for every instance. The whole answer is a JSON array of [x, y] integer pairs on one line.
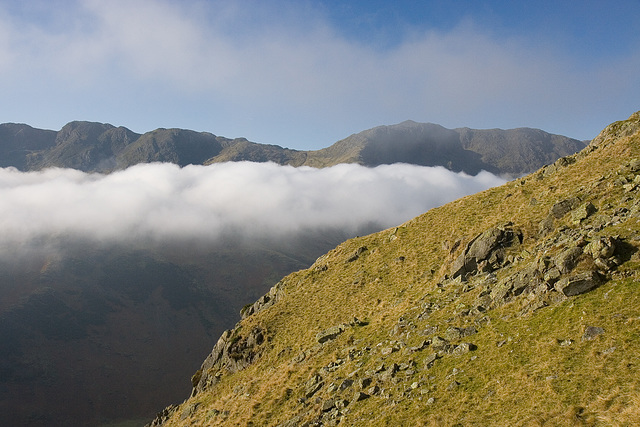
[[515, 306]]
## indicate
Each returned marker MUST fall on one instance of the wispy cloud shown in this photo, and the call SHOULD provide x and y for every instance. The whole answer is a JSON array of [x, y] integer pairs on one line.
[[162, 202]]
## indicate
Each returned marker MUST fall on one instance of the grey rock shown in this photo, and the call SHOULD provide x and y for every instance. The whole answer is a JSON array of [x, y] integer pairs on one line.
[[590, 332], [488, 246], [578, 284], [428, 361], [374, 389], [552, 275], [603, 247], [364, 382], [329, 334], [463, 348], [163, 416], [357, 254], [439, 343], [346, 384], [234, 351], [265, 301], [359, 396], [454, 333], [453, 385], [328, 405], [563, 207], [312, 386], [566, 260], [189, 410]]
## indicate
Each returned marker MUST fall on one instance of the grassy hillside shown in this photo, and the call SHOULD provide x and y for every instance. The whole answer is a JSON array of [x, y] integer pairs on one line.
[[515, 306]]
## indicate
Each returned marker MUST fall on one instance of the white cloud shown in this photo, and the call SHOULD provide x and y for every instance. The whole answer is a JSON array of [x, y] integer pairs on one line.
[[162, 202]]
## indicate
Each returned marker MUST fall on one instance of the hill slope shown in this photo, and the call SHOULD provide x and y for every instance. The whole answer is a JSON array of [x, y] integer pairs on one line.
[[99, 147], [515, 306]]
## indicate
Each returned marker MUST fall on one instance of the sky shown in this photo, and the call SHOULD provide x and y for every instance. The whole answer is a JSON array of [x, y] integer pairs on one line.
[[305, 74]]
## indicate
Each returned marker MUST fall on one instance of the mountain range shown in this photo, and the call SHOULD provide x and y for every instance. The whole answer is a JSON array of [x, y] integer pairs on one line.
[[124, 327], [518, 305], [98, 147]]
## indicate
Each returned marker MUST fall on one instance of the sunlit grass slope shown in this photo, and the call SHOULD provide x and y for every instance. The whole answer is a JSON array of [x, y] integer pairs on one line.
[[383, 330]]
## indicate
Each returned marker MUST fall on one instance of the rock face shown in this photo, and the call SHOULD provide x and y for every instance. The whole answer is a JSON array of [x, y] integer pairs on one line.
[[235, 350]]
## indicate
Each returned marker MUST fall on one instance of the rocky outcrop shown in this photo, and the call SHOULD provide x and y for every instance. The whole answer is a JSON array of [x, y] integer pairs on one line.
[[263, 302], [486, 252], [235, 350]]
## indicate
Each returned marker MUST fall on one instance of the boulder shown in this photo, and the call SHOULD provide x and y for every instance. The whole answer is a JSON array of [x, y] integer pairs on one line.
[[312, 386], [329, 334], [463, 348], [590, 332], [263, 302], [578, 284], [563, 207], [604, 247], [566, 260], [583, 212], [454, 333], [358, 396]]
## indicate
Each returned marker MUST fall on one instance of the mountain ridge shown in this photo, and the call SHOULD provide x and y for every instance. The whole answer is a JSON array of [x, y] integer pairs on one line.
[[102, 147]]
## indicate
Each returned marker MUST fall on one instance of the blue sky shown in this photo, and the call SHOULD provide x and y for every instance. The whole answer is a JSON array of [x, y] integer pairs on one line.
[[304, 74]]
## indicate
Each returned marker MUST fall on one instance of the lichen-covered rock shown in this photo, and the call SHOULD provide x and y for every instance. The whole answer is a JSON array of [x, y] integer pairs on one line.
[[590, 332], [312, 386], [604, 247], [463, 348], [454, 333], [263, 302], [563, 207], [583, 212]]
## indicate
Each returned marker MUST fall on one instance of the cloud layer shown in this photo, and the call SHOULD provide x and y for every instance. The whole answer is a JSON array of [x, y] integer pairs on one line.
[[162, 202]]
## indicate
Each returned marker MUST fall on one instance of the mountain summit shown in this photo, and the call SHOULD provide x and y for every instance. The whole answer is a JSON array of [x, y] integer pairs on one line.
[[514, 306], [511, 152]]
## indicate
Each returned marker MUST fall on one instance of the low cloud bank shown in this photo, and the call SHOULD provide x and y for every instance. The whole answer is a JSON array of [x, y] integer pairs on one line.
[[155, 202]]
